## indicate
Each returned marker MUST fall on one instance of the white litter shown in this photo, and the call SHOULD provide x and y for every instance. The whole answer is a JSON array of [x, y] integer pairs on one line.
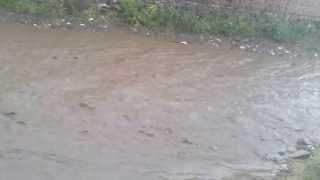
[[219, 40], [272, 53], [280, 47], [184, 42]]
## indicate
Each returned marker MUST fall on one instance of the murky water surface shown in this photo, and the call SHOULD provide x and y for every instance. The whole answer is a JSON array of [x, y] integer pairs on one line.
[[119, 106]]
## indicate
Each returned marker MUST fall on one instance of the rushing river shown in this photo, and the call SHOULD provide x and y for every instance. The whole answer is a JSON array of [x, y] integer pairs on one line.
[[119, 106]]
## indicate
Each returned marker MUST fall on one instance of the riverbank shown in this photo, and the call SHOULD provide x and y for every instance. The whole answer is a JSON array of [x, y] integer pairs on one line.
[[249, 30], [304, 169]]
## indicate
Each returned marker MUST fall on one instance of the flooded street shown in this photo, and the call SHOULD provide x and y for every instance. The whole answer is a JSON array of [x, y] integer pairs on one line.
[[118, 106]]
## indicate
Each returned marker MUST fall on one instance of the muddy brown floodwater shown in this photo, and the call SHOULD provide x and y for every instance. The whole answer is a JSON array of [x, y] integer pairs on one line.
[[119, 106]]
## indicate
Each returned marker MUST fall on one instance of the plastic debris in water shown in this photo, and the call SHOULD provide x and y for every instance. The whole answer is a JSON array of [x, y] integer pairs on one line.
[[219, 40], [272, 53], [184, 42], [243, 47], [280, 47]]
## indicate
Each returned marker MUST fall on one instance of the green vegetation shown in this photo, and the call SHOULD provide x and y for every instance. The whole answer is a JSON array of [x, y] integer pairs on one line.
[[234, 24], [52, 8], [305, 170], [231, 24], [169, 18], [312, 168]]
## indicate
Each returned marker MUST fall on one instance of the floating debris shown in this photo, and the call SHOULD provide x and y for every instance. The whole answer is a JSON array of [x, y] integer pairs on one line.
[[218, 40], [21, 123], [186, 141], [243, 47], [284, 168], [10, 114], [134, 29], [215, 42], [272, 53], [184, 42], [280, 48], [146, 133]]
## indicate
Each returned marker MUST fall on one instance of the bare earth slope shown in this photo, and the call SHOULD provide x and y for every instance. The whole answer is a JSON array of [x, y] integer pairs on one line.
[[118, 106]]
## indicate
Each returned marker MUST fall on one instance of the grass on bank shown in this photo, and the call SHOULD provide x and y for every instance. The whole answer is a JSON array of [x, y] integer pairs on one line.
[[49, 8], [305, 170], [234, 24], [312, 168]]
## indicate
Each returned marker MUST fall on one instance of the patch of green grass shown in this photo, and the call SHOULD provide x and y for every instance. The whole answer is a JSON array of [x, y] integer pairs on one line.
[[305, 170], [34, 7], [312, 168], [230, 24], [166, 17]]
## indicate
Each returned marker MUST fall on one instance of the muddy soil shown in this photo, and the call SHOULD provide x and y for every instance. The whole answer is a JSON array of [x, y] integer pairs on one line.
[[117, 105]]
